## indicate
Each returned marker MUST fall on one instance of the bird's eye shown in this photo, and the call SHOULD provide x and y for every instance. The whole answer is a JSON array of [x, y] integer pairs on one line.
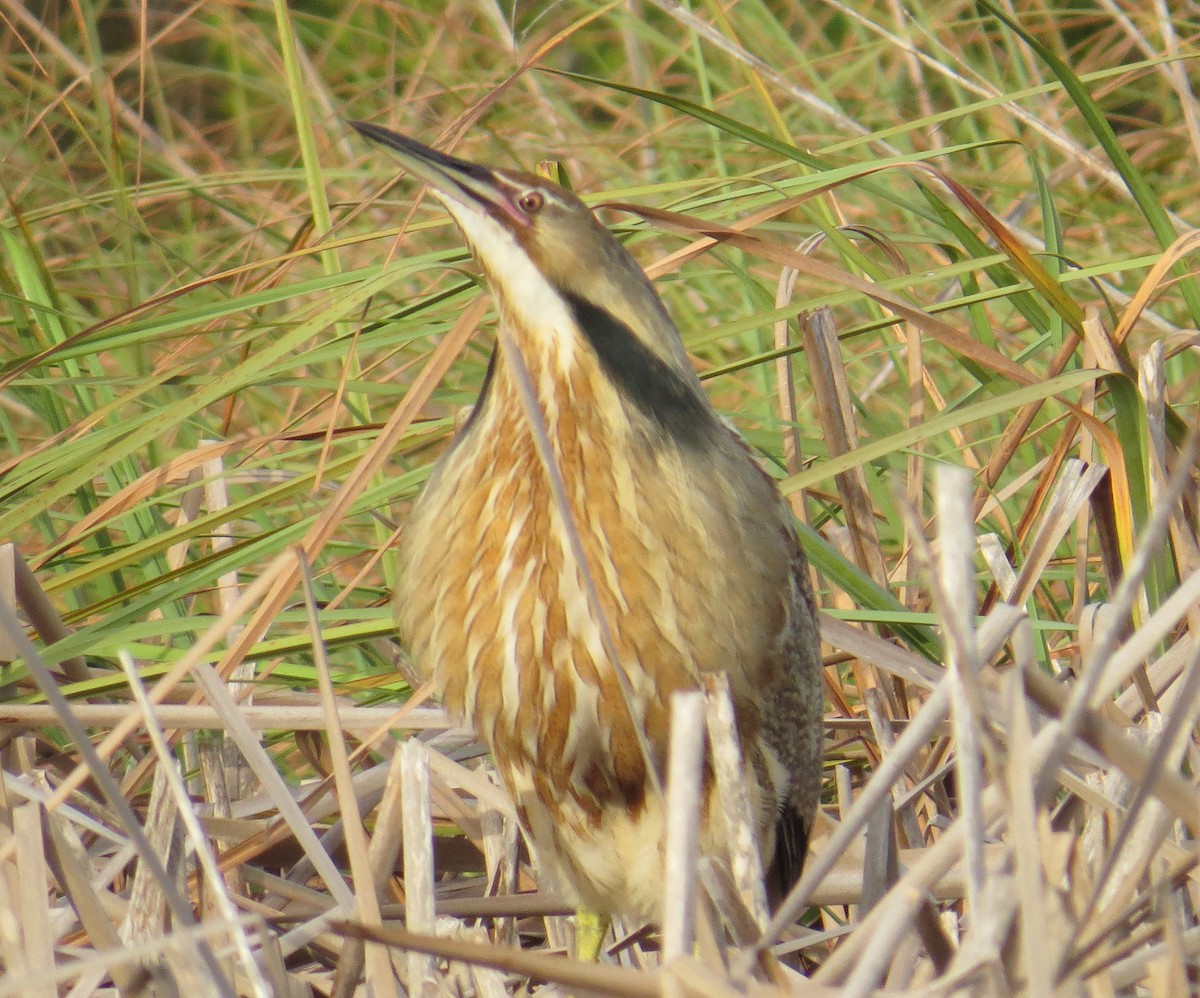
[[531, 202]]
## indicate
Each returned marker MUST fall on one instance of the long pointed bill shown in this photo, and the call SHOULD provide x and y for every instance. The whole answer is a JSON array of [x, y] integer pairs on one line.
[[455, 179]]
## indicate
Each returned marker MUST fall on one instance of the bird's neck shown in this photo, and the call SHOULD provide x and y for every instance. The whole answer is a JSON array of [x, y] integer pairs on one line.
[[542, 391], [576, 364]]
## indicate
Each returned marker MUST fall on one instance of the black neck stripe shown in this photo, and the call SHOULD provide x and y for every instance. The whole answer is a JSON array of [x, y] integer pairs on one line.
[[643, 379]]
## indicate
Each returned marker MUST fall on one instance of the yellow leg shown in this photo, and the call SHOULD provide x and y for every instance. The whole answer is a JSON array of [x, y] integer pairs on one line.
[[590, 929]]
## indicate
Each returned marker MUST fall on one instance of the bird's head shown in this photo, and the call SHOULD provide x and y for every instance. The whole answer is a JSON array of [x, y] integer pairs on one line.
[[546, 256]]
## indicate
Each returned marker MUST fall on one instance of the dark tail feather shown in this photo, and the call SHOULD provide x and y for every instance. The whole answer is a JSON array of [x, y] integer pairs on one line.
[[791, 847]]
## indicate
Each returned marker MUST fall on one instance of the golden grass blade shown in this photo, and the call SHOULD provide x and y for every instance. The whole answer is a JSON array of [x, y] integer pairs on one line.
[[594, 977], [379, 968]]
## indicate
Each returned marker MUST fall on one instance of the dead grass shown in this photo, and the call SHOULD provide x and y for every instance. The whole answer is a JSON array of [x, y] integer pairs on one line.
[[934, 268]]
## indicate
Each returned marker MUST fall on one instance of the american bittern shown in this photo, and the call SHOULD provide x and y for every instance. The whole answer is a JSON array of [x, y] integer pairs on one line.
[[689, 562]]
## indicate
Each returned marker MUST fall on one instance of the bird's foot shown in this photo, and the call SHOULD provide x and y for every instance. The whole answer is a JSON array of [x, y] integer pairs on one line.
[[590, 929]]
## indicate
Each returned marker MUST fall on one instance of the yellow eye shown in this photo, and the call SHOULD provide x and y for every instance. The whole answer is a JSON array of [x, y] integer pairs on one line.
[[531, 202]]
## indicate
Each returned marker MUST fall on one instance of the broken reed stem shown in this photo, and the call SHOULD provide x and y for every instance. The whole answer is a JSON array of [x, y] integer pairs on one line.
[[956, 578], [418, 857], [684, 789], [728, 768]]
